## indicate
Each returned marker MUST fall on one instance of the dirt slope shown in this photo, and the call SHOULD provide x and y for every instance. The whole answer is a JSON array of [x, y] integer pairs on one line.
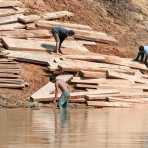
[[124, 19]]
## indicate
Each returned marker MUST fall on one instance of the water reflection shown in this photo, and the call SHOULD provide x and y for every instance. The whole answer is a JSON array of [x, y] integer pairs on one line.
[[70, 128]]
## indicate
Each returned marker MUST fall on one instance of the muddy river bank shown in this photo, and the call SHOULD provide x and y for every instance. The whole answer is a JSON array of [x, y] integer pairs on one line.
[[74, 128]]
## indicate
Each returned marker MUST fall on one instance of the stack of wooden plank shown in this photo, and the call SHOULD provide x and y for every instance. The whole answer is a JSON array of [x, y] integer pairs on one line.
[[82, 32], [20, 32], [101, 82], [10, 74]]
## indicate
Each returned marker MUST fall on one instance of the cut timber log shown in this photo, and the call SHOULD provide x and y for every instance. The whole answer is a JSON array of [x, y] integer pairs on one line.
[[28, 19], [93, 74], [57, 14], [24, 34], [9, 19], [12, 26], [44, 92], [50, 24], [108, 104], [47, 97]]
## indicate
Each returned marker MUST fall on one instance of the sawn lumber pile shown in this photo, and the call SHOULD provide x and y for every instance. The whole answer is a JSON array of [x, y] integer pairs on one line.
[[21, 31], [98, 81], [10, 74]]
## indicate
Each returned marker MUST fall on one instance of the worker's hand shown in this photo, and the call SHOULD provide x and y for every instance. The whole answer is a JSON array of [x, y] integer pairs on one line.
[[54, 101]]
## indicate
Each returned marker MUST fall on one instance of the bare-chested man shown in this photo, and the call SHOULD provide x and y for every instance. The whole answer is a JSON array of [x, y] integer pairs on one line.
[[62, 86]]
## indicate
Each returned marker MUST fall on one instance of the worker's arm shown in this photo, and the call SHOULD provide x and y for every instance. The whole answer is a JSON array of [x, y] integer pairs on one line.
[[56, 93], [57, 42]]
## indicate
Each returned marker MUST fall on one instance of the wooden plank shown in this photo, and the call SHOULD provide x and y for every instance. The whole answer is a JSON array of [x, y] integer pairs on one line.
[[85, 58], [108, 104], [33, 45], [134, 100], [7, 11], [31, 26], [48, 97], [79, 65], [81, 31], [7, 75], [94, 36], [93, 74], [124, 87], [124, 61], [28, 19], [24, 34], [11, 81], [50, 24], [90, 43], [114, 74], [10, 71], [5, 85], [65, 77], [9, 19], [12, 26], [21, 44], [85, 86], [34, 57], [44, 92], [77, 100], [10, 3], [100, 81], [9, 66], [129, 95], [86, 81], [57, 14]]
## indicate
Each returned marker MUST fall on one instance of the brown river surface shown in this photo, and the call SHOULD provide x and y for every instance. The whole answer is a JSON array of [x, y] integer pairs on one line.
[[74, 128]]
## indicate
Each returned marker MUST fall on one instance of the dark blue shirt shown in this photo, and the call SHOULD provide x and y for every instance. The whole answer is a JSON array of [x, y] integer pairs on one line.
[[62, 32]]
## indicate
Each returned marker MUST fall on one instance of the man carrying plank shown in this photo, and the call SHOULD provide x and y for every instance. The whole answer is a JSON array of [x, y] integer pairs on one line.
[[62, 86], [142, 54], [60, 34]]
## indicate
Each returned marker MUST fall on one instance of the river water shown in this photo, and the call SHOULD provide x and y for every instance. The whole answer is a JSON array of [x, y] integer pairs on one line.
[[74, 128]]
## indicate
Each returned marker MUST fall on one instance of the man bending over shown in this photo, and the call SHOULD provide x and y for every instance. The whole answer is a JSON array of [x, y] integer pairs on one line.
[[142, 54], [60, 34]]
